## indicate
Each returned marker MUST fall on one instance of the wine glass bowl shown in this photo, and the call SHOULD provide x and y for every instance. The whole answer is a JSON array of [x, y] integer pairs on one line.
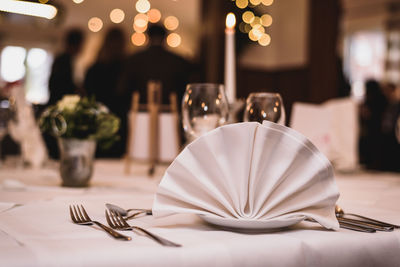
[[264, 106], [204, 107]]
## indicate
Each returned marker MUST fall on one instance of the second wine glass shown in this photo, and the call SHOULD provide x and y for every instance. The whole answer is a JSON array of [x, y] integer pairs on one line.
[[204, 107], [265, 106]]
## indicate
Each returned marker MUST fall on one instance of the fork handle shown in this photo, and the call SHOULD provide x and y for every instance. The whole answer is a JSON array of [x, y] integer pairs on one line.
[[110, 231], [156, 238]]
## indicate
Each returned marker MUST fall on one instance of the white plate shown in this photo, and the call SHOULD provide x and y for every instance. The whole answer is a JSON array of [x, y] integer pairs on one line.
[[243, 224]]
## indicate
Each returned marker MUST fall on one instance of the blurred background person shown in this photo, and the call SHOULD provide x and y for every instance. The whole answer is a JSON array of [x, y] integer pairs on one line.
[[390, 144], [371, 116], [101, 81], [61, 81], [156, 63]]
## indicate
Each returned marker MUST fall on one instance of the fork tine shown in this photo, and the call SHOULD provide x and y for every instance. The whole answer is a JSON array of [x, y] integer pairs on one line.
[[78, 218], [115, 219], [121, 219], [110, 223], [82, 218], [86, 217], [71, 213]]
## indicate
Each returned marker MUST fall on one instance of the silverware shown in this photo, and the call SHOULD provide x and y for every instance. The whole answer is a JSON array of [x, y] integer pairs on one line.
[[124, 212], [348, 226], [79, 216], [340, 213], [356, 228], [365, 224], [116, 221]]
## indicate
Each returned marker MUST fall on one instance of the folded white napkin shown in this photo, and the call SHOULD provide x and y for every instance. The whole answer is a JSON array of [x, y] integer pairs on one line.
[[250, 172]]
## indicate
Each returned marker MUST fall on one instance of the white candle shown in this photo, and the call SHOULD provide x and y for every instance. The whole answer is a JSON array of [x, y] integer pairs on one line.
[[230, 70]]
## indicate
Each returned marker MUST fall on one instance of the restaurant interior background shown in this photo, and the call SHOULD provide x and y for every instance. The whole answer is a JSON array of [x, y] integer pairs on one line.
[[311, 49]]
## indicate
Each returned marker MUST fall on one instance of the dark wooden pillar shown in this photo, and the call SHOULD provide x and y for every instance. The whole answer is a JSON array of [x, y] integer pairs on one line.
[[322, 56], [213, 14]]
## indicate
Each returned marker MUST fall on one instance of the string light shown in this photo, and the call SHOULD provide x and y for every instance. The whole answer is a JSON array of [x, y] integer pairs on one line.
[[173, 40], [95, 24], [171, 23], [138, 39], [154, 15], [142, 6], [117, 15]]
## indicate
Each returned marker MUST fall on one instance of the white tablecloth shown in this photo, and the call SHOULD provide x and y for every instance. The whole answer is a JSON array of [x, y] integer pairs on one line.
[[36, 230]]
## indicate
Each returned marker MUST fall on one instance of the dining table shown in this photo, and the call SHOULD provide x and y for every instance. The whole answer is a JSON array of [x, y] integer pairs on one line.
[[36, 228]]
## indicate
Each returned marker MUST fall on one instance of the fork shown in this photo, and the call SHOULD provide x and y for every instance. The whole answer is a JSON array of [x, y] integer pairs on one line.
[[116, 221], [80, 216]]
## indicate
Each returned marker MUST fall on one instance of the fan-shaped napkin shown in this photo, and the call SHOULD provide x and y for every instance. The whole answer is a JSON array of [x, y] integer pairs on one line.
[[249, 175]]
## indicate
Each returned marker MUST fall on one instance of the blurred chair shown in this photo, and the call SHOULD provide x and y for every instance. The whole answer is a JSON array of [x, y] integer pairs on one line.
[[153, 134], [332, 127]]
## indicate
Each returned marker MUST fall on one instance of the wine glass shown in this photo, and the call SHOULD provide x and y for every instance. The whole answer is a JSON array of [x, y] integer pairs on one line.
[[204, 107], [264, 106]]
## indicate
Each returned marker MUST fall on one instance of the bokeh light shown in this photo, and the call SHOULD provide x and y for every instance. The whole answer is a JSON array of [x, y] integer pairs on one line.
[[139, 29], [142, 6], [43, 1], [95, 24], [255, 21], [264, 40], [248, 17], [77, 1], [173, 40], [267, 2], [117, 15], [242, 27], [255, 2], [138, 39], [242, 3], [154, 15], [141, 20], [252, 35], [171, 23], [266, 20]]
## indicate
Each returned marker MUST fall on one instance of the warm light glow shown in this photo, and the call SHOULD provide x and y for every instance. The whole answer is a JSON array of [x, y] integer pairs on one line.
[[77, 1], [267, 2], [173, 40], [247, 28], [242, 3], [264, 40], [12, 66], [95, 24], [252, 36], [230, 21], [117, 15], [142, 6], [141, 20], [43, 1], [28, 8], [138, 39], [171, 23], [248, 17], [258, 31], [255, 21], [255, 2], [266, 20], [139, 29], [154, 15]]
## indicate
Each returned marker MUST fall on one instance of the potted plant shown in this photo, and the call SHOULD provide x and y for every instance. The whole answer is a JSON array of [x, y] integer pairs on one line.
[[79, 124]]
